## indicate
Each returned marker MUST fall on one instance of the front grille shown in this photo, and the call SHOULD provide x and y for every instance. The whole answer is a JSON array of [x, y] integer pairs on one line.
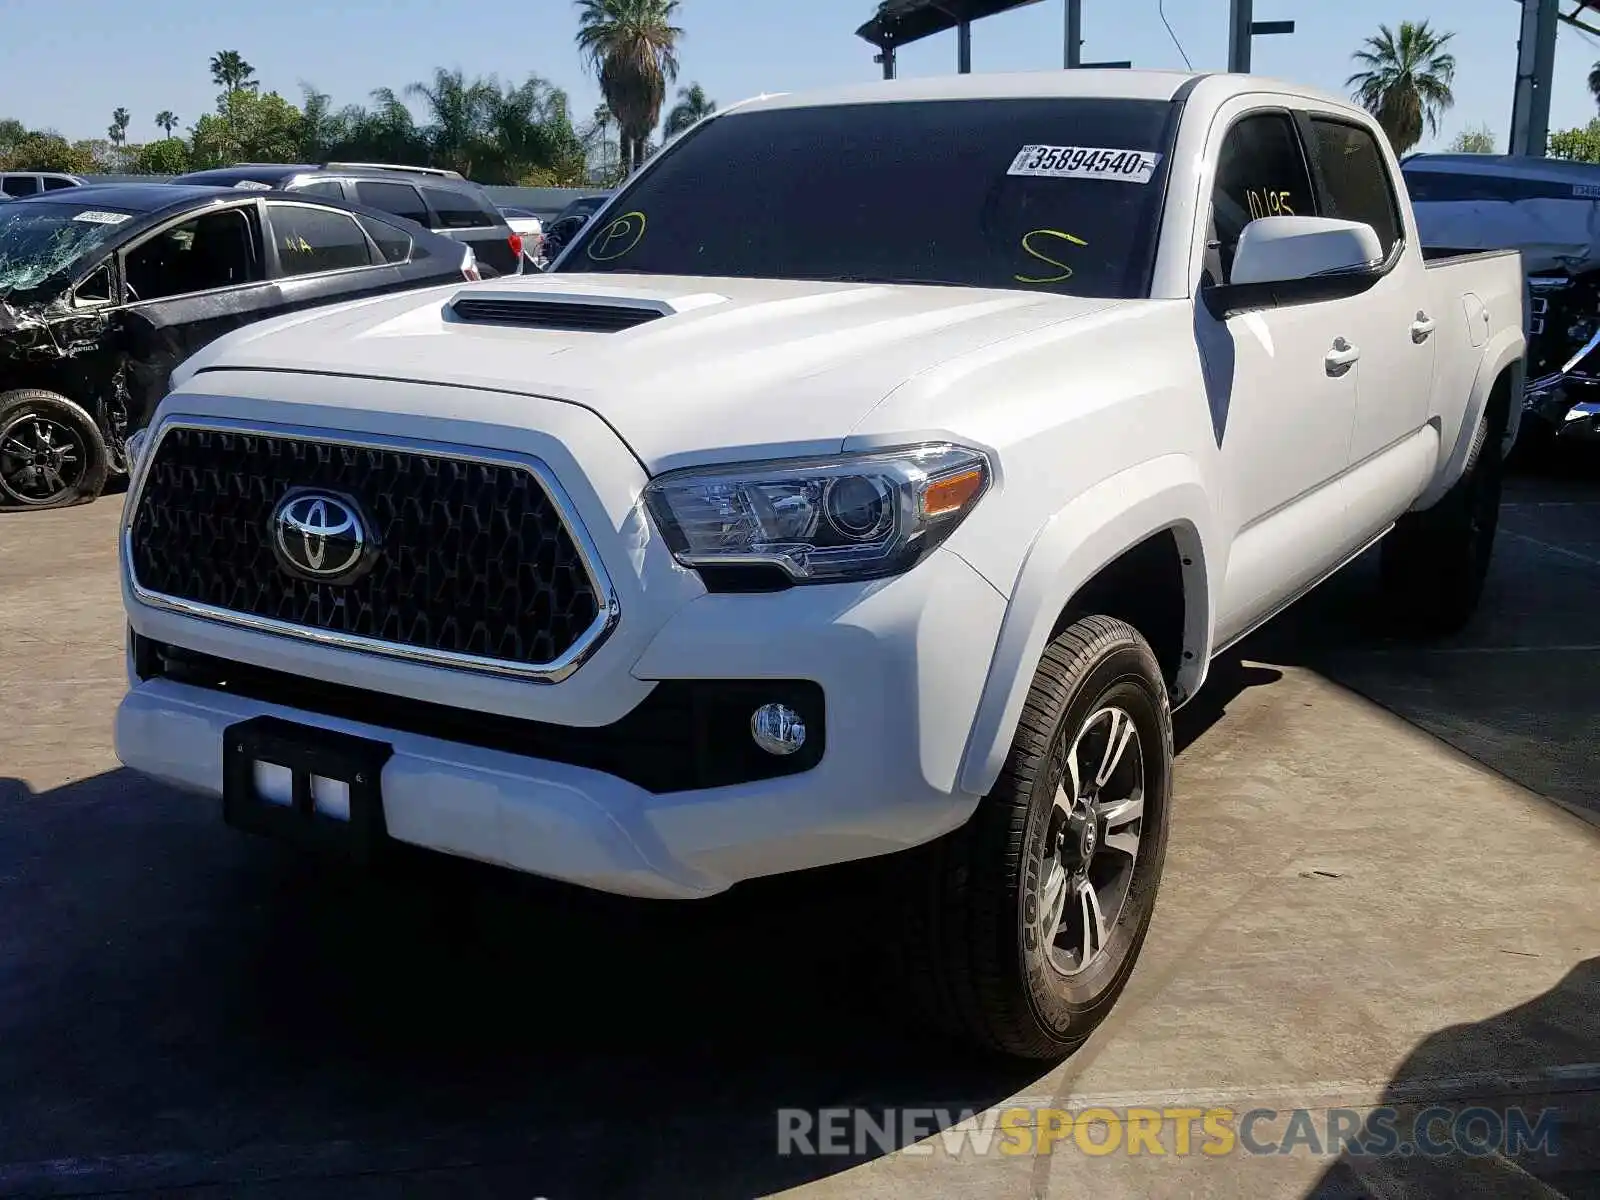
[[686, 735], [473, 559], [545, 314]]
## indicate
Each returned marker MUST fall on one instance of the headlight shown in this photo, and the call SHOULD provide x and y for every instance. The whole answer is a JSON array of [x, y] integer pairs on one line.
[[852, 516]]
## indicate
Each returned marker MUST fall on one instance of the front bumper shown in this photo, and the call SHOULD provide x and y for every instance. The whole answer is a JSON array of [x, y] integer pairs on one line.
[[900, 662]]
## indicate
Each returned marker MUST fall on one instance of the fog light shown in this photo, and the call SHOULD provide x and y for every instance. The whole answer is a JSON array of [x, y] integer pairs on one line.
[[778, 729]]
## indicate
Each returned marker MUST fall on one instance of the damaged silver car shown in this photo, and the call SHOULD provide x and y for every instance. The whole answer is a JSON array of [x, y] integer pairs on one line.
[[105, 289]]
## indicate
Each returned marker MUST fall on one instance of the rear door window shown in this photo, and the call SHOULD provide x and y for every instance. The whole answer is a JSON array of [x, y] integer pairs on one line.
[[401, 199], [311, 240], [205, 253], [1261, 172], [1352, 178], [392, 242], [19, 185], [456, 210]]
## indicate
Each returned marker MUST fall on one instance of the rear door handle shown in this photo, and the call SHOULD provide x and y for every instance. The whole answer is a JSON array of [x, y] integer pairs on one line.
[[1422, 328], [1342, 357]]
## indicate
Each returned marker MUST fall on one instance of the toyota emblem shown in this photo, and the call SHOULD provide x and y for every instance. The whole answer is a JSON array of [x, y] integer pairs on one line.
[[321, 537]]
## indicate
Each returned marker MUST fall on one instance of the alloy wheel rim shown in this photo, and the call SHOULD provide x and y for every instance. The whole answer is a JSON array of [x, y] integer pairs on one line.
[[41, 459], [1092, 839]]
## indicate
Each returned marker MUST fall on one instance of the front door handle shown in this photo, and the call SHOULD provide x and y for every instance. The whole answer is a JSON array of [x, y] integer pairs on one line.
[[1422, 328], [1342, 357]]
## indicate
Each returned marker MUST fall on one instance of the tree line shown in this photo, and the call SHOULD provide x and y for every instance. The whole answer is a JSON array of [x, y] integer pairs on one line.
[[493, 132]]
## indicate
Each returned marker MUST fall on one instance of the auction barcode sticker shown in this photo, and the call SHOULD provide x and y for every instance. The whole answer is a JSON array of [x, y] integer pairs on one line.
[[1083, 162], [95, 217]]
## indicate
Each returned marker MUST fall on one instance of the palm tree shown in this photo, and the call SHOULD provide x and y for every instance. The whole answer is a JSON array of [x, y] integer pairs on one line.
[[1406, 81], [693, 105], [118, 133], [632, 47], [461, 112], [166, 121], [1594, 82], [230, 72]]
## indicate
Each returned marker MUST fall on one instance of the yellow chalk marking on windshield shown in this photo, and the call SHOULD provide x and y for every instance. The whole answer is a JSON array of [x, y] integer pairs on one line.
[[627, 229], [1028, 248]]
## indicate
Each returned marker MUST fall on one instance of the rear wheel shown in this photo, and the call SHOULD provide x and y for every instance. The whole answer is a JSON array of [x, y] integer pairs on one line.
[[52, 452], [1433, 563], [1023, 926]]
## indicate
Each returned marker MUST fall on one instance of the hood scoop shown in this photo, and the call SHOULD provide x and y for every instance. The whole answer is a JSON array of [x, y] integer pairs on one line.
[[567, 312]]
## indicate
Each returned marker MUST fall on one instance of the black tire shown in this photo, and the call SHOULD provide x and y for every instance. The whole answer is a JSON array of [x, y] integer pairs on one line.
[[972, 946], [1433, 563], [34, 473]]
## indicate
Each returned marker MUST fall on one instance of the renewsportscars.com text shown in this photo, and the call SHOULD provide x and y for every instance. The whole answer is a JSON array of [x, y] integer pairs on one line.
[[1213, 1132]]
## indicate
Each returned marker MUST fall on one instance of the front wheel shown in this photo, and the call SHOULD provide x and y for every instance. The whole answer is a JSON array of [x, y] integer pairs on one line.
[[51, 451], [1024, 925]]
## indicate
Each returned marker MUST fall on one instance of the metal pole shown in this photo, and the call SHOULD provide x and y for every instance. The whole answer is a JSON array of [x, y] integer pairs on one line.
[[1240, 20], [1073, 57], [964, 47], [1536, 52], [886, 57]]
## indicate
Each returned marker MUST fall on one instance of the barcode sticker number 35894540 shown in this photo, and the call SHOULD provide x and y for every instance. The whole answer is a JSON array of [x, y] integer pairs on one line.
[[1084, 162]]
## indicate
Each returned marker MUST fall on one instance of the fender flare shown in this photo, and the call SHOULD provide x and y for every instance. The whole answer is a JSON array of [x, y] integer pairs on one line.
[[1506, 349], [1099, 525]]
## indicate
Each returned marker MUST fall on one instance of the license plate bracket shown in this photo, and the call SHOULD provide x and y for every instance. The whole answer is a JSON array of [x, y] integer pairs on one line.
[[317, 764]]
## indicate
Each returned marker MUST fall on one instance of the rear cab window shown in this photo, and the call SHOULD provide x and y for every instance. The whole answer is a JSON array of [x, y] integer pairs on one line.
[[457, 210], [1046, 194], [310, 240]]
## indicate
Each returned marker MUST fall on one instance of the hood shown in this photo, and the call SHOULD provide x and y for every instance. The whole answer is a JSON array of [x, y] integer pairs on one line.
[[772, 366]]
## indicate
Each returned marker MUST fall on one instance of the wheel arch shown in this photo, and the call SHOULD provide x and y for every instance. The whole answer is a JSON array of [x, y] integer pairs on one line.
[[1500, 379], [1100, 554]]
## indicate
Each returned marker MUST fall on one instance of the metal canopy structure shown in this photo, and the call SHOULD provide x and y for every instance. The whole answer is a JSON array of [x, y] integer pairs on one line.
[[900, 22], [1536, 54]]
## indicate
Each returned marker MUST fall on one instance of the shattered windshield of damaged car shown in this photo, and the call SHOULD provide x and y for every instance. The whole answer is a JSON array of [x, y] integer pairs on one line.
[[37, 239], [1043, 194]]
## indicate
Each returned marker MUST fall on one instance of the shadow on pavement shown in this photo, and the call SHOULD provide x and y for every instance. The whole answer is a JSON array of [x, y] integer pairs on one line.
[[1519, 688], [189, 1007], [1519, 1094]]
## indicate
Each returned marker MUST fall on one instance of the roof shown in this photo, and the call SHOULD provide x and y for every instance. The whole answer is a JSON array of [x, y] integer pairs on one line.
[[900, 21], [133, 197], [1085, 83], [1108, 84], [251, 172]]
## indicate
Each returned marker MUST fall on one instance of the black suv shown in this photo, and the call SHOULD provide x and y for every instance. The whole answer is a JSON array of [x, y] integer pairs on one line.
[[439, 200]]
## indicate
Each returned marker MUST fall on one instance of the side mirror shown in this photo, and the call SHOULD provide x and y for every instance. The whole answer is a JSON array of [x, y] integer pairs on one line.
[[1298, 260]]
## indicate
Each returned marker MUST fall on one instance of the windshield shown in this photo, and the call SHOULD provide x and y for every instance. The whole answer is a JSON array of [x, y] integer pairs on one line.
[[1057, 195], [38, 239]]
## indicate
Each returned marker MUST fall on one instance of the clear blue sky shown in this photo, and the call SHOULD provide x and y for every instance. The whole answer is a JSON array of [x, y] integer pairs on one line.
[[67, 65]]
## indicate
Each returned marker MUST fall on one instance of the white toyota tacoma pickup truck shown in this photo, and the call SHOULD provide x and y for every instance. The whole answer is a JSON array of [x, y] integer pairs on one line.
[[874, 474]]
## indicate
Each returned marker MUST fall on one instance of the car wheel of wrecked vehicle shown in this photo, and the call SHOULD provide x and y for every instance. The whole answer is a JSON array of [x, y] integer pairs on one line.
[[1433, 563], [51, 451], [1025, 924]]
